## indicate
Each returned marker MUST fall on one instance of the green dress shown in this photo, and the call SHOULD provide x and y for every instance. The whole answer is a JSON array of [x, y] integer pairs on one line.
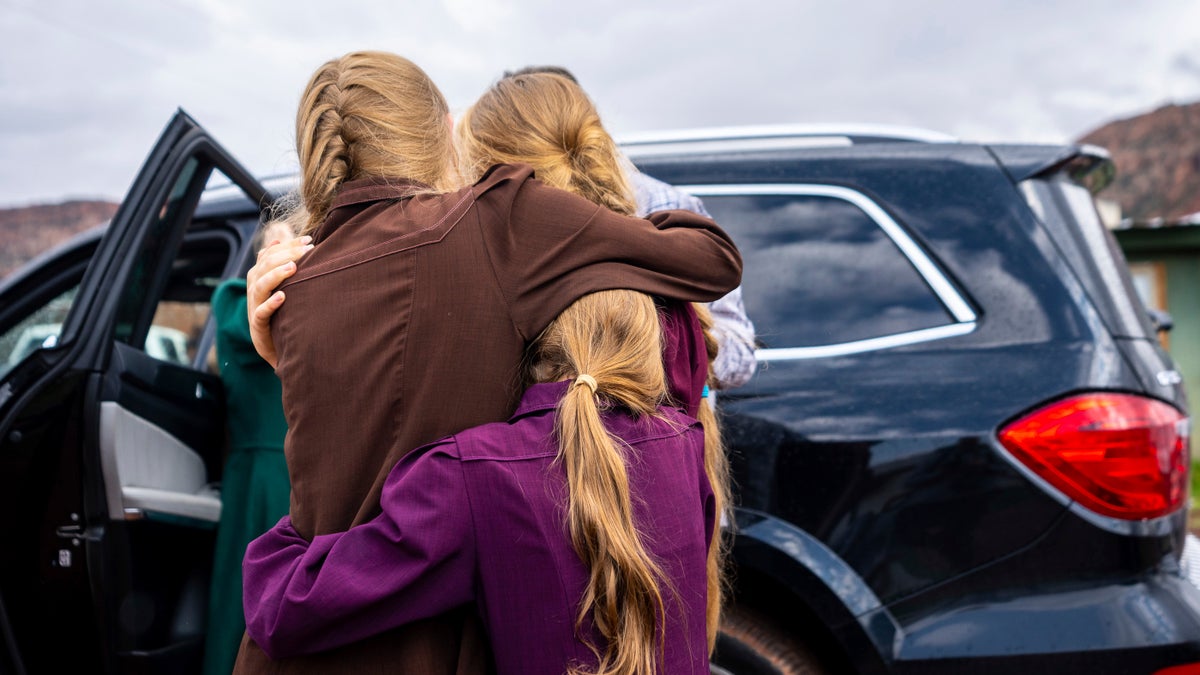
[[254, 487]]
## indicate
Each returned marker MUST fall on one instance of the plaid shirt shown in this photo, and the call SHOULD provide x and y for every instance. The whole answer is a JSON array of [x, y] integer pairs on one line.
[[735, 362]]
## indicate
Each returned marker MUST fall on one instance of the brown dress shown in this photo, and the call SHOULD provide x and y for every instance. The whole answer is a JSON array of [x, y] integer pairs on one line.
[[408, 322]]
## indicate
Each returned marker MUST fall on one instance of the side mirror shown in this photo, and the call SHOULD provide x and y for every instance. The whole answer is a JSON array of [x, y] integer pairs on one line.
[[1162, 321]]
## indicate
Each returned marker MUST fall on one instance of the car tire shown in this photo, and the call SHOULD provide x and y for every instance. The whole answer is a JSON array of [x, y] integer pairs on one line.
[[750, 643]]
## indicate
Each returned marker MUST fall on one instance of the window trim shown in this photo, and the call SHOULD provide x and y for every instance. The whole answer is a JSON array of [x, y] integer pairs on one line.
[[964, 317]]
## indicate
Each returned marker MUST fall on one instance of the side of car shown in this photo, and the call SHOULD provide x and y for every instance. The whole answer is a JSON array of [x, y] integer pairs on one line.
[[916, 301]]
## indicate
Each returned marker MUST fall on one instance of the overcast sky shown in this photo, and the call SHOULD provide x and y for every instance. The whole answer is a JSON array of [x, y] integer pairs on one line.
[[85, 87]]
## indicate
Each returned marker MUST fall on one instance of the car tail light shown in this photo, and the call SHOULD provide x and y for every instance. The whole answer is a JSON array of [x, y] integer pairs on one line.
[[1119, 455], [1186, 669]]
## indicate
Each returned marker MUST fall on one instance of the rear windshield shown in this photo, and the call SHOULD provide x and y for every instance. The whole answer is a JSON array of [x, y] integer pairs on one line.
[[1070, 216]]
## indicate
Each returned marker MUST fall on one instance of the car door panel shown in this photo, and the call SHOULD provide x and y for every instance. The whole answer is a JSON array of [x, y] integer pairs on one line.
[[155, 432]]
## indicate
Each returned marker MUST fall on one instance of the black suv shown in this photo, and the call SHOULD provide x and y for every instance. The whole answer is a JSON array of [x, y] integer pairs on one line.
[[964, 447]]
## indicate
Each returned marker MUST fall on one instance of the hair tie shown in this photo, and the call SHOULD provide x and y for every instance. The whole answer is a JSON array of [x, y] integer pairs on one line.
[[588, 380]]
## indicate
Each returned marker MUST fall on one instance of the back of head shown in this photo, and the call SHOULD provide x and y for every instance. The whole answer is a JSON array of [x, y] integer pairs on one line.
[[370, 114], [547, 121], [533, 70], [613, 336]]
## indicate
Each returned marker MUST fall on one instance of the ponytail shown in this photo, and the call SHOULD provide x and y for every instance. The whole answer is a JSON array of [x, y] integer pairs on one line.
[[610, 344], [622, 595]]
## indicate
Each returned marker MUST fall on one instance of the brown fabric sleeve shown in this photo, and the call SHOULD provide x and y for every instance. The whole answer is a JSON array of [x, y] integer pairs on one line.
[[549, 247]]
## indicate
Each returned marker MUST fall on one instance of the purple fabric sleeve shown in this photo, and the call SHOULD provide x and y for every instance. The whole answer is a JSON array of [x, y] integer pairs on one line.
[[684, 356], [415, 560]]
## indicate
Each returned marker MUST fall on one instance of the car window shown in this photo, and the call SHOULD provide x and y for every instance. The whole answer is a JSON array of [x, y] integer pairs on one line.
[[1069, 212], [40, 329], [819, 270], [164, 309], [178, 324]]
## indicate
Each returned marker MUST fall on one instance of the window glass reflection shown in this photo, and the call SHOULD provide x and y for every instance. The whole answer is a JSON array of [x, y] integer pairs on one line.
[[819, 271]]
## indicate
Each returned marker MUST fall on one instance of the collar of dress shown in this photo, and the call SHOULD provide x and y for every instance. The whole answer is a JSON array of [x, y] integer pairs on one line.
[[375, 189]]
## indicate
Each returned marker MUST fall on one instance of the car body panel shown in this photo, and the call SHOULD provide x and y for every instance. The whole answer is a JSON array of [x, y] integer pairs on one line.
[[888, 455]]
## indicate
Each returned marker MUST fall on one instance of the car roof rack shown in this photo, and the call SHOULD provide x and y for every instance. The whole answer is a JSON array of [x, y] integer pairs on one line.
[[772, 137]]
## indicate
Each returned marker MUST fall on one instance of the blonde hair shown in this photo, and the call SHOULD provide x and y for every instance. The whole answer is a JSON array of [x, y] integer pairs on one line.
[[548, 122], [370, 114], [283, 220], [614, 338], [716, 466]]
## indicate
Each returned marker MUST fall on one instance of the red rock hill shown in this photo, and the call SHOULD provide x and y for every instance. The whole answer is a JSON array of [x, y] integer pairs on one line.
[[1157, 156], [28, 231]]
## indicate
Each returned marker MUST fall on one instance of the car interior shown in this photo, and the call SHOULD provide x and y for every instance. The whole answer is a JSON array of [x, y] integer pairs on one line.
[[159, 440]]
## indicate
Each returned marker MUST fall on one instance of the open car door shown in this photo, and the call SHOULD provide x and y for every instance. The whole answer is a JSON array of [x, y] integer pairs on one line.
[[112, 426]]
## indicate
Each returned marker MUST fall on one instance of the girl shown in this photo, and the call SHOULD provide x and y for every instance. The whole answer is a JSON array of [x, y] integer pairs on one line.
[[546, 120], [580, 527], [254, 481], [408, 320]]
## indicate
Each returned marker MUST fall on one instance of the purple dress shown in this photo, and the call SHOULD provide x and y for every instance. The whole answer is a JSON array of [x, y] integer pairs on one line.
[[480, 517]]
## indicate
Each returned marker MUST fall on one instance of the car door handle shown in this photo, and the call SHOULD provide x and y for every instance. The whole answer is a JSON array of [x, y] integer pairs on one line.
[[69, 531]]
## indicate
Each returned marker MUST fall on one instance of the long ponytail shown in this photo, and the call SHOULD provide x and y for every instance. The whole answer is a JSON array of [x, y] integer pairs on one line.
[[609, 343]]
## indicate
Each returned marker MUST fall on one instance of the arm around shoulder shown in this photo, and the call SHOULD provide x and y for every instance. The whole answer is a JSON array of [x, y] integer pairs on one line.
[[413, 561], [557, 247]]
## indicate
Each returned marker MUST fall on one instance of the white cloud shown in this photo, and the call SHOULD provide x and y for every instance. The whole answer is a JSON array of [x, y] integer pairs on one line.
[[85, 87], [476, 16]]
